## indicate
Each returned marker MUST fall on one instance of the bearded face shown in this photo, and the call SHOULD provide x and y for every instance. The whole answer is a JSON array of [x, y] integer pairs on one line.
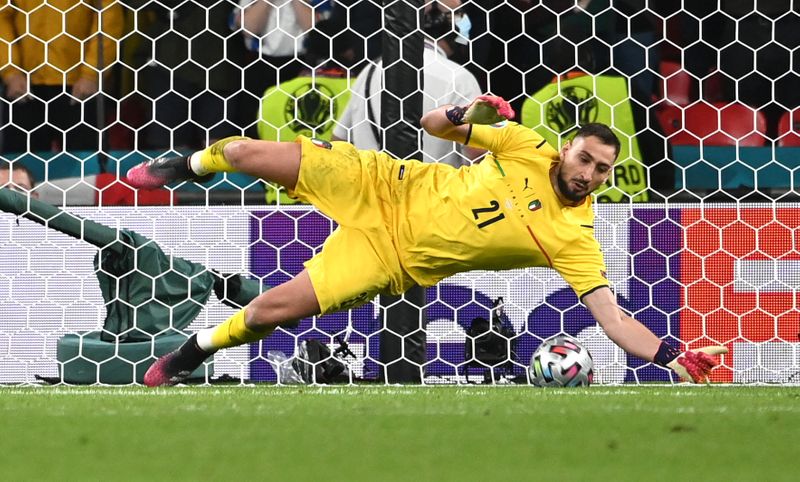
[[575, 195], [585, 164]]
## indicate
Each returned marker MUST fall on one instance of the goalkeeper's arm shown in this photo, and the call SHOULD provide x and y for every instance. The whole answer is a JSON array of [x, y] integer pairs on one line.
[[452, 122], [638, 340], [437, 124]]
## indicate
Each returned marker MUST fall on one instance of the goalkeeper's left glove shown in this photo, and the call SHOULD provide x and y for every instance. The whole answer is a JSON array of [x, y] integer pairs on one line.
[[695, 365]]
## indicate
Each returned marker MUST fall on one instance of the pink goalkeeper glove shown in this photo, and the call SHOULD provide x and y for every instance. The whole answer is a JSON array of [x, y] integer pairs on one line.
[[696, 365], [486, 109]]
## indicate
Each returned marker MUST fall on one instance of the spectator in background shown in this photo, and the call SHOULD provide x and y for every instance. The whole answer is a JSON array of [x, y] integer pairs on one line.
[[332, 44], [17, 177], [275, 29], [310, 103], [51, 63], [363, 18], [191, 72], [632, 35], [445, 82], [754, 44], [526, 41]]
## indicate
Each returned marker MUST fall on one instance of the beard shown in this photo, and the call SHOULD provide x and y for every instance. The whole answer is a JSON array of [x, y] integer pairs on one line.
[[566, 191]]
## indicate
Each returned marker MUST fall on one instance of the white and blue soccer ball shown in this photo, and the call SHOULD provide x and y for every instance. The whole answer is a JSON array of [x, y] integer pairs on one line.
[[561, 361]]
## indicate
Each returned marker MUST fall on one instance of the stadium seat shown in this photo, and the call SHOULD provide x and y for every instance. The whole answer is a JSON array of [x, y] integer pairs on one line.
[[717, 124], [789, 129], [676, 84], [742, 123]]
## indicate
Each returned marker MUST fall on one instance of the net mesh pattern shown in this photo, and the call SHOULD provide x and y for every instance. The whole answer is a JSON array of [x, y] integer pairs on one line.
[[699, 224]]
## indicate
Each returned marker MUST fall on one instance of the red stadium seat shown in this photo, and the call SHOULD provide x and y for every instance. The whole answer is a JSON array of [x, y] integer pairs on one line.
[[702, 120], [719, 124], [743, 123], [677, 85], [789, 129]]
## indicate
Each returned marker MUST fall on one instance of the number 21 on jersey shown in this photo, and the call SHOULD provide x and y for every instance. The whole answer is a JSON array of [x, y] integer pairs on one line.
[[482, 213]]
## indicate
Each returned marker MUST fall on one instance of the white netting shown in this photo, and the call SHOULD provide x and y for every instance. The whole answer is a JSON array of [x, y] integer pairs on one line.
[[704, 97]]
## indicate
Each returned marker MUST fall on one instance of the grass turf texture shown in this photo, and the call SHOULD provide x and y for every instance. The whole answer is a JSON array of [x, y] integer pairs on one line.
[[399, 433]]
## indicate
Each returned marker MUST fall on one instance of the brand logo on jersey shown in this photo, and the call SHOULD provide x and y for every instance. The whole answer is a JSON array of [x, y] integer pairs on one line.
[[501, 124], [534, 205], [321, 143], [603, 274]]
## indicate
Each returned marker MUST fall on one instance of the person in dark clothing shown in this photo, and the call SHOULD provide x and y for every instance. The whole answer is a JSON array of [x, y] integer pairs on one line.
[[192, 69], [754, 44]]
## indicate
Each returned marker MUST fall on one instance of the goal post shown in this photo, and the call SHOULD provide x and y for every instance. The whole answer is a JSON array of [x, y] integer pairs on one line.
[[403, 340]]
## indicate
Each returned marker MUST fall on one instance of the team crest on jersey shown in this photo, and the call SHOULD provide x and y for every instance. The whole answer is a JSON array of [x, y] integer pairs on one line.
[[321, 143], [500, 124], [534, 205]]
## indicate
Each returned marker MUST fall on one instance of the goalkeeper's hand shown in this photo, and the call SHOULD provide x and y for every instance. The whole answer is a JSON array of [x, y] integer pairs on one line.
[[486, 109], [696, 365]]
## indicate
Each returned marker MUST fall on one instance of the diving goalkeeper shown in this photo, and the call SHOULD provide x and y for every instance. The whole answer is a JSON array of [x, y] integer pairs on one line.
[[402, 222]]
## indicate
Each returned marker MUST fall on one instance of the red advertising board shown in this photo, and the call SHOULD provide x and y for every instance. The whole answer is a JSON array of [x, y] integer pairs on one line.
[[739, 270]]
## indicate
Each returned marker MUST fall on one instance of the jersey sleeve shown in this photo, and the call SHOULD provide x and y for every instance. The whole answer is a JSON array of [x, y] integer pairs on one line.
[[581, 264], [507, 136]]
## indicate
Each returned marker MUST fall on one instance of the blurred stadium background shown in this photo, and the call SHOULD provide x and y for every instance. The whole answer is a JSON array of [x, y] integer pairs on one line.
[[700, 224]]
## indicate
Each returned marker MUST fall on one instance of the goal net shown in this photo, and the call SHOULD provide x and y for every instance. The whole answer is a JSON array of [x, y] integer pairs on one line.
[[699, 225]]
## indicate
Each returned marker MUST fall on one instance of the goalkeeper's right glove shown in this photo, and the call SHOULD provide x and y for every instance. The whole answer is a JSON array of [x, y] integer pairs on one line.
[[695, 365], [486, 109]]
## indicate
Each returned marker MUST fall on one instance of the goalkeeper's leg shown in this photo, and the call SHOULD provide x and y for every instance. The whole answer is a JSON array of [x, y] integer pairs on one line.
[[272, 161], [284, 304]]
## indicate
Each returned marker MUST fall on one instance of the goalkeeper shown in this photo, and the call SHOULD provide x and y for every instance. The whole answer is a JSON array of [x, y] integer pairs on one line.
[[403, 223]]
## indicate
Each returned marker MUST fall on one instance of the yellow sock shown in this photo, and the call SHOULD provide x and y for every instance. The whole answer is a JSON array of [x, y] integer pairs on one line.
[[233, 332], [212, 158]]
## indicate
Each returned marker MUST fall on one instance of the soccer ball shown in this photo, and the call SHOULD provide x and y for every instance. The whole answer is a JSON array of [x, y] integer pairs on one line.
[[561, 361]]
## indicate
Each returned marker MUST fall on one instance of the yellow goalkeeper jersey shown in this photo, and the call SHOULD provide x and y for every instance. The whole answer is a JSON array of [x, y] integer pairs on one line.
[[502, 213]]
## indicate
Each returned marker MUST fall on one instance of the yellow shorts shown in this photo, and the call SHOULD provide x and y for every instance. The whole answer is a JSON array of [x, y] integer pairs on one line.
[[358, 260]]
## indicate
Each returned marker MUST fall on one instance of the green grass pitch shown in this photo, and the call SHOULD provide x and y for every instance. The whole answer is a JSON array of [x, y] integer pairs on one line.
[[518, 433]]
